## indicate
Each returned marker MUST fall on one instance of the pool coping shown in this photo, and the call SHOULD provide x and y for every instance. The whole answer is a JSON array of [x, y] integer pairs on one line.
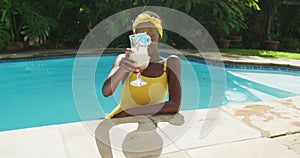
[[278, 128], [207, 56]]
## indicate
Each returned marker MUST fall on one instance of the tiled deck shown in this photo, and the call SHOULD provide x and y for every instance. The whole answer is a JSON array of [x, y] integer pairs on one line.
[[257, 130]]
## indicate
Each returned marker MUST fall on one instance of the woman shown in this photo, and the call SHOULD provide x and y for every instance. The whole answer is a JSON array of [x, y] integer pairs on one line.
[[162, 76]]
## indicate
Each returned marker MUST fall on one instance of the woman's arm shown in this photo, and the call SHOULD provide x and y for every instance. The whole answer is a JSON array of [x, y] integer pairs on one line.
[[121, 67], [173, 104]]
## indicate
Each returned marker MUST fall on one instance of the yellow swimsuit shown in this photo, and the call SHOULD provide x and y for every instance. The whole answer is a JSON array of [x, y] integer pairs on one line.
[[153, 93]]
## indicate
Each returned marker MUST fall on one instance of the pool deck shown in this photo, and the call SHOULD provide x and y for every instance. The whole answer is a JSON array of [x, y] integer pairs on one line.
[[255, 130], [212, 56]]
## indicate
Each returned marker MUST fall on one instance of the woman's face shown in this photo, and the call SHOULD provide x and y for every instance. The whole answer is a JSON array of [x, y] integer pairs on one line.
[[150, 29]]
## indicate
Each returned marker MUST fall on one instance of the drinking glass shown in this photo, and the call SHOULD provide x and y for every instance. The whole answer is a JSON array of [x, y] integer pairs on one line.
[[139, 45]]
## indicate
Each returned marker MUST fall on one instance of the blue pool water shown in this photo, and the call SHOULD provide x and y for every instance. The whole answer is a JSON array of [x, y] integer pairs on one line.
[[39, 92]]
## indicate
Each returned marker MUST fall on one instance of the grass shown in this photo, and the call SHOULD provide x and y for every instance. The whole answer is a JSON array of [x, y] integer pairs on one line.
[[262, 53]]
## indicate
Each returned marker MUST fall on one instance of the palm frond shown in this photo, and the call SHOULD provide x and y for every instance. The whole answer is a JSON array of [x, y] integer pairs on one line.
[[35, 26]]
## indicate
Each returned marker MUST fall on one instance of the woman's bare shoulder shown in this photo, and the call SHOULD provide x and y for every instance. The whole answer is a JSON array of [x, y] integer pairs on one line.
[[173, 60]]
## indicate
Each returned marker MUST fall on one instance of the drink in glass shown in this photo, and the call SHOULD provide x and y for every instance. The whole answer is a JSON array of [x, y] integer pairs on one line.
[[139, 45]]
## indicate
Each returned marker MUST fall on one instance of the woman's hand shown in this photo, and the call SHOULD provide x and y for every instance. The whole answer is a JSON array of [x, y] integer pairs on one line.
[[126, 64], [121, 67], [121, 114]]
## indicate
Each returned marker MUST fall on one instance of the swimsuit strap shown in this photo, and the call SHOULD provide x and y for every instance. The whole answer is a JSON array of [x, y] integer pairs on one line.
[[165, 65]]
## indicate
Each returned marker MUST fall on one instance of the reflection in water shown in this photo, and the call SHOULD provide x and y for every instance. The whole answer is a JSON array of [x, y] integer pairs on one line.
[[144, 141]]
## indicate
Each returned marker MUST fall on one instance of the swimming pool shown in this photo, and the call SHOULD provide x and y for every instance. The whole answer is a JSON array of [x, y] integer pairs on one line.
[[39, 92]]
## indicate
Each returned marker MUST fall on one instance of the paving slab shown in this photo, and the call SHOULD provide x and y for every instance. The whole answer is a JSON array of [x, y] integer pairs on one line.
[[45, 142], [293, 102], [271, 118], [206, 127], [256, 148], [291, 141], [180, 154], [78, 141], [131, 137]]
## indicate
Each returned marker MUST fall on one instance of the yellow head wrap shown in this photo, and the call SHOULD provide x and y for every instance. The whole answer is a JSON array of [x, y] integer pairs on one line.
[[147, 18]]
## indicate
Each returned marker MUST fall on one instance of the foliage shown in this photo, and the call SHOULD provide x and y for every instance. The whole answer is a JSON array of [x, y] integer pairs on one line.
[[270, 9], [273, 37], [232, 14], [35, 26], [290, 43], [219, 17], [69, 28], [250, 40], [4, 36], [25, 18], [66, 22]]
